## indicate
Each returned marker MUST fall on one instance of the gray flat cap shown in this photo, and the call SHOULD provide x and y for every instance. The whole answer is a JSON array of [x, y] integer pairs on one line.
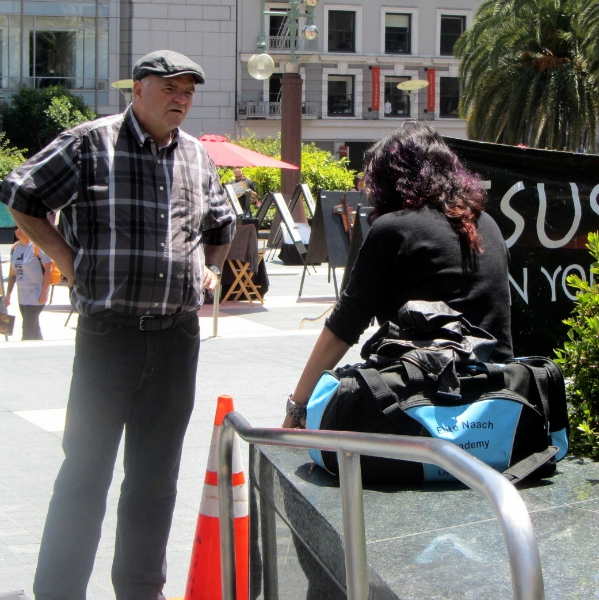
[[166, 63]]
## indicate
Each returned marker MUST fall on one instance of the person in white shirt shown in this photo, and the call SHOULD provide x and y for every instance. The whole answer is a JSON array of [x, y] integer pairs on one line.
[[31, 271]]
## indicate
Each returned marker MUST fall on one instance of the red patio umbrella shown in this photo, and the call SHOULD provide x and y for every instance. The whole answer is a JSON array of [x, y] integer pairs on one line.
[[225, 154]]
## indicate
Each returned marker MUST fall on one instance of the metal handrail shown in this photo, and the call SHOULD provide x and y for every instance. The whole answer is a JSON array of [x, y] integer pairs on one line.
[[516, 527]]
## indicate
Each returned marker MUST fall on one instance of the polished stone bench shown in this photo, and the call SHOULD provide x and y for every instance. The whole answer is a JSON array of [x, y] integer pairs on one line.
[[427, 541]]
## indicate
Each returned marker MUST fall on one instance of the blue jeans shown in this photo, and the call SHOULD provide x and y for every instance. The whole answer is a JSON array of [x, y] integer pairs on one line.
[[143, 382]]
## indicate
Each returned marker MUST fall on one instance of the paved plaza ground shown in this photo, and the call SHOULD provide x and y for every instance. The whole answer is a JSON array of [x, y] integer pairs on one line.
[[256, 357]]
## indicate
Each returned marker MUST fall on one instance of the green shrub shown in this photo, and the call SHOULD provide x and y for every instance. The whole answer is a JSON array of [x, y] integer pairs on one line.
[[579, 360], [10, 157], [35, 116], [320, 169]]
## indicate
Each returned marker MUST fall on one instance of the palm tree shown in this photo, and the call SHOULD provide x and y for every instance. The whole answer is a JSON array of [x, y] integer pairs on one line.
[[529, 75], [589, 20]]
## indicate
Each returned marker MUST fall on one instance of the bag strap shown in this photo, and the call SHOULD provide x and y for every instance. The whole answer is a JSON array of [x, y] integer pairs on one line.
[[540, 376], [519, 471], [378, 388], [385, 397]]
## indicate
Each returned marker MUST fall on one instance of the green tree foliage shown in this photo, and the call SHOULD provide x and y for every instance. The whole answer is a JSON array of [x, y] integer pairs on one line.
[[529, 70], [579, 359], [35, 116], [320, 169], [589, 20], [10, 158]]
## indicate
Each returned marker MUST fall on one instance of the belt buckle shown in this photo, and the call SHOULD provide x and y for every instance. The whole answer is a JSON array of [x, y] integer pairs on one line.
[[145, 323]]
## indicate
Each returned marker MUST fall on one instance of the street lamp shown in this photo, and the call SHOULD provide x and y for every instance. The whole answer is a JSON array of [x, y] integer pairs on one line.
[[413, 85], [261, 66], [125, 86]]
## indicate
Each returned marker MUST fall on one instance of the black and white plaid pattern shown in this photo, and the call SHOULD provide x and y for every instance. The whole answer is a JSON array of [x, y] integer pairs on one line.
[[135, 216]]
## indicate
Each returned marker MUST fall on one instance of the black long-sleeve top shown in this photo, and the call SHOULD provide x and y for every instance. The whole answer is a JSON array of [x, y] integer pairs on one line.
[[416, 255]]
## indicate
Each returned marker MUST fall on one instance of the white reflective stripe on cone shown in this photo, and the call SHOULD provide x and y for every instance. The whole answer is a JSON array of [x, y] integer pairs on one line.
[[209, 504], [213, 454]]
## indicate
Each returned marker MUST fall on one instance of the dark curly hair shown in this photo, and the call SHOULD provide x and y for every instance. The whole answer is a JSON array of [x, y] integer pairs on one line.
[[412, 167]]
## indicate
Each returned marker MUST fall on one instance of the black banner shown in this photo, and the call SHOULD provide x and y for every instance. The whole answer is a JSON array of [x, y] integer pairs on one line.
[[545, 203]]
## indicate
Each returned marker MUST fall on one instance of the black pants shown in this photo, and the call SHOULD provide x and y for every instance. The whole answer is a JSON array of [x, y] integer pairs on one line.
[[31, 321], [143, 382]]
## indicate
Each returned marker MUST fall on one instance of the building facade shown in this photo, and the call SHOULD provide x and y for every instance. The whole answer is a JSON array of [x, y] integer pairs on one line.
[[350, 72]]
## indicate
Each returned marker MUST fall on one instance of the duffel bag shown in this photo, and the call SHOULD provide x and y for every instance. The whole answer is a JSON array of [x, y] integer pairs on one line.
[[511, 416]]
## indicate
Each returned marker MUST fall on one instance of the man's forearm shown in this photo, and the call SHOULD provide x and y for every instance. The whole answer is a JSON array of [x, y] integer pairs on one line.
[[216, 255], [43, 234]]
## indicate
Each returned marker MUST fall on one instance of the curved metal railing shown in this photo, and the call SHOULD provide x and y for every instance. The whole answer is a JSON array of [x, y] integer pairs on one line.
[[523, 554]]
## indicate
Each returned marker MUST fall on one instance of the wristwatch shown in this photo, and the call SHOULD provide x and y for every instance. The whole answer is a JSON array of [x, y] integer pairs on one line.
[[296, 411], [214, 269]]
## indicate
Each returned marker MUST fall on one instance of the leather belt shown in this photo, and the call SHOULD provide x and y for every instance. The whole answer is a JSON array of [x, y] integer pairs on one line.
[[148, 322]]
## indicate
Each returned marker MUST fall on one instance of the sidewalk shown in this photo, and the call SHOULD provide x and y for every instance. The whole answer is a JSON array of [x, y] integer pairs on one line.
[[257, 358]]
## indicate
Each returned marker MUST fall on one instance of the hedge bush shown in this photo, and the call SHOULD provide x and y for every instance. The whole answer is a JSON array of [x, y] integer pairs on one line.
[[579, 360]]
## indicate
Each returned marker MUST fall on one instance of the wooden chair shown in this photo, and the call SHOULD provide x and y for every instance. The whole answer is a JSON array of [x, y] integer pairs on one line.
[[243, 284]]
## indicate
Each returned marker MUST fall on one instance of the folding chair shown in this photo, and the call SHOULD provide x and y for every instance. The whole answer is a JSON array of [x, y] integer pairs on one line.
[[243, 284]]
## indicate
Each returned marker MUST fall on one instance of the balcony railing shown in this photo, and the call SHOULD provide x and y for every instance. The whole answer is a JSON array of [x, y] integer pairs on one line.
[[283, 43], [272, 110]]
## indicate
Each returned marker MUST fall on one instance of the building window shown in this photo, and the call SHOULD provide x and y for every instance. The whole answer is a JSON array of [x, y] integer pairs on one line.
[[278, 33], [452, 28], [397, 34], [340, 96], [274, 87], [342, 31], [40, 51], [449, 96], [397, 102], [53, 58]]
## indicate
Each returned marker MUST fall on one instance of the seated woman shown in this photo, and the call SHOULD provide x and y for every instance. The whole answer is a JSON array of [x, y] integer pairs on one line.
[[429, 240]]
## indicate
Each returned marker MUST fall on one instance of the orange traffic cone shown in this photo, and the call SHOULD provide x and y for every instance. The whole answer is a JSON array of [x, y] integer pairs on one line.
[[204, 579]]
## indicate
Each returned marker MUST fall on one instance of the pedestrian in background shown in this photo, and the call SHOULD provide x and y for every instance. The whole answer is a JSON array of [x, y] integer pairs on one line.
[[358, 183], [250, 190], [31, 271], [147, 226]]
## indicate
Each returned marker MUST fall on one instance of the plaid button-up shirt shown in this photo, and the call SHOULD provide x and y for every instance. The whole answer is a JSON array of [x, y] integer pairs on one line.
[[135, 216]]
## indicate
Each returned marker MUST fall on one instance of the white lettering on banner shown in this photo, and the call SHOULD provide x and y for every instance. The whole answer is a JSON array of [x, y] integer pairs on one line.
[[551, 280], [523, 292], [519, 221], [581, 274], [477, 425], [543, 213], [510, 213], [594, 194]]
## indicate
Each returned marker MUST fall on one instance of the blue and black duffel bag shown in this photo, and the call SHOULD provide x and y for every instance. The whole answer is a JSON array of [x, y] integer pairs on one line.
[[430, 376]]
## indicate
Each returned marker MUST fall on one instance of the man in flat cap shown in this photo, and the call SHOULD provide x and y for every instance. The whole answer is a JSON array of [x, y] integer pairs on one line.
[[147, 227]]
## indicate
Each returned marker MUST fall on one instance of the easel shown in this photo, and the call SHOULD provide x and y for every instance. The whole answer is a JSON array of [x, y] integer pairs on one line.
[[301, 190], [359, 231], [233, 200], [329, 241], [286, 220]]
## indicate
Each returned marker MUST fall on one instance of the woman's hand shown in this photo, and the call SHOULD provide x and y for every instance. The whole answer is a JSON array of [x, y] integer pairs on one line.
[[291, 423]]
